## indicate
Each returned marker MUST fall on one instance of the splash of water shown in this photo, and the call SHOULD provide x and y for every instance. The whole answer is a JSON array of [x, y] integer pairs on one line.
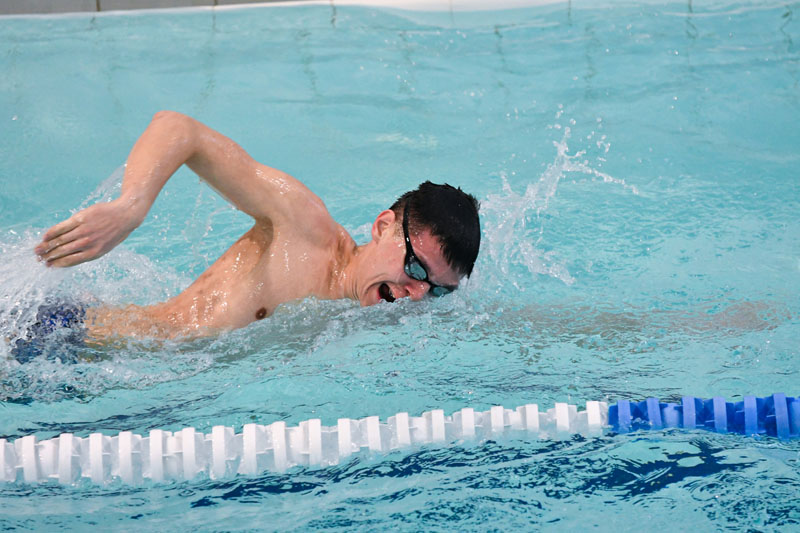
[[26, 283], [120, 277], [109, 189], [510, 228]]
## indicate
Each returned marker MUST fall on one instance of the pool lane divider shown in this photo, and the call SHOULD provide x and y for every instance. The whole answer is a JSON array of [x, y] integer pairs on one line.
[[183, 455], [774, 416]]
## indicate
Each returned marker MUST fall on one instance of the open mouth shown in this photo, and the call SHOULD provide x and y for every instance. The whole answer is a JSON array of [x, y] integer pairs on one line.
[[386, 293]]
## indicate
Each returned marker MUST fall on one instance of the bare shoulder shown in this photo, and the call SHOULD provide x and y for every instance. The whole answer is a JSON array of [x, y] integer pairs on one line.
[[298, 207]]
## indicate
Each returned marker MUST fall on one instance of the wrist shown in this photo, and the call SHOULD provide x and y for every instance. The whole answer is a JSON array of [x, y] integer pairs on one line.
[[135, 208]]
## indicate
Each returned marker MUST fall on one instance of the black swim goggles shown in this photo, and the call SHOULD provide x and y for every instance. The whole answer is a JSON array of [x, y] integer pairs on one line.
[[413, 266]]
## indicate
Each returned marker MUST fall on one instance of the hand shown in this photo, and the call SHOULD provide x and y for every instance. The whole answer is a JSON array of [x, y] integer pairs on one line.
[[88, 234]]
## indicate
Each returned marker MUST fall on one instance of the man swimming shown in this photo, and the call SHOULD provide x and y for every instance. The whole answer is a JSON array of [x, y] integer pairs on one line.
[[424, 244]]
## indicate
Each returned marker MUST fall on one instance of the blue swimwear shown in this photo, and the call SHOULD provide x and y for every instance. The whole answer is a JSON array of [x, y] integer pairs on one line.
[[58, 333]]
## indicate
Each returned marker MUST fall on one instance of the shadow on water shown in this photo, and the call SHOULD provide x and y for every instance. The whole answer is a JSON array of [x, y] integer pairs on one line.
[[522, 477], [571, 467], [465, 484]]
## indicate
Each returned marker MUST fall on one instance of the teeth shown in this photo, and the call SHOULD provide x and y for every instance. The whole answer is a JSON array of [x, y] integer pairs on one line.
[[386, 293]]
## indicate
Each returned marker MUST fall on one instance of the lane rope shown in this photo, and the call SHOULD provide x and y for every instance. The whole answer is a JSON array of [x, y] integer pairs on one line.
[[185, 454]]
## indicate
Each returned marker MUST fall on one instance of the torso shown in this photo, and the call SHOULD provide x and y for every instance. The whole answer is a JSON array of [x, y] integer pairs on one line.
[[269, 265]]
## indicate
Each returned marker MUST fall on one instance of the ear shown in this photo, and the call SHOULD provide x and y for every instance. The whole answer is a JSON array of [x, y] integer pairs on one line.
[[383, 223]]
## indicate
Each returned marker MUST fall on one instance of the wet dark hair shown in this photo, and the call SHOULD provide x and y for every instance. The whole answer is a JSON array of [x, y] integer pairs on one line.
[[451, 215]]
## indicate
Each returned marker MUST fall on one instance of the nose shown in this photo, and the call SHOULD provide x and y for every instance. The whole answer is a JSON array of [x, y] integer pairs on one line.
[[417, 290]]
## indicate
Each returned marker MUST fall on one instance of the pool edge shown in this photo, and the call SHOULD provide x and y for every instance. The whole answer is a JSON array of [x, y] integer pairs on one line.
[[62, 8]]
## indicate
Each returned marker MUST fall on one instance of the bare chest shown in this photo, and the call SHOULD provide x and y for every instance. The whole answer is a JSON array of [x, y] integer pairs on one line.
[[253, 277]]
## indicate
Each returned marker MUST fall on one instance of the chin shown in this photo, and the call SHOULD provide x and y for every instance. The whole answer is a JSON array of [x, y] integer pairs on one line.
[[372, 296], [369, 298]]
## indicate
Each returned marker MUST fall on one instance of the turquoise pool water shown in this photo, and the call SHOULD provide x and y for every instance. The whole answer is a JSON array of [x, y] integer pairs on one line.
[[637, 167]]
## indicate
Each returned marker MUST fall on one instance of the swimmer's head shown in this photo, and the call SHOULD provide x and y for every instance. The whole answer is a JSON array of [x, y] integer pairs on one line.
[[451, 216]]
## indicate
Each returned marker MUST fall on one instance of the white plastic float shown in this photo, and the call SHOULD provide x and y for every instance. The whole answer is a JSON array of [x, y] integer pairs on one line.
[[185, 454]]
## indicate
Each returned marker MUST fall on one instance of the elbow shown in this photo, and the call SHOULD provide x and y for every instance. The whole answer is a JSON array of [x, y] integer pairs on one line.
[[169, 117], [173, 125]]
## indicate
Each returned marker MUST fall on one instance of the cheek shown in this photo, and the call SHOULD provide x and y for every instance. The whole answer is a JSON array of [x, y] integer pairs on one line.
[[392, 261]]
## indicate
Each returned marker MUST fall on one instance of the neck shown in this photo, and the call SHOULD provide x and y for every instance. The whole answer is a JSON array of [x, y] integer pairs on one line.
[[343, 275]]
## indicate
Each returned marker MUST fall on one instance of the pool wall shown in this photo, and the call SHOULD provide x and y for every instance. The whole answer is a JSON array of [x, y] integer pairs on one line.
[[28, 7]]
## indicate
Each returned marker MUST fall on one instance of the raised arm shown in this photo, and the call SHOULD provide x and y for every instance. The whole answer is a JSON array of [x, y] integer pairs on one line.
[[171, 140]]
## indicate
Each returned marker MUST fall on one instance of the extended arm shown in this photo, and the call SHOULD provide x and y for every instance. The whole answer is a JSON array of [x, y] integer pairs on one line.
[[171, 140]]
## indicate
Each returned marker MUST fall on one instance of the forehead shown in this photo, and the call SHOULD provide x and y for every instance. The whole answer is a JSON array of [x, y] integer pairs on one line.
[[428, 249]]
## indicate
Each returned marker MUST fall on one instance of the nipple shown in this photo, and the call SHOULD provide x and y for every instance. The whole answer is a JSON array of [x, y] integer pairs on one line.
[[261, 313]]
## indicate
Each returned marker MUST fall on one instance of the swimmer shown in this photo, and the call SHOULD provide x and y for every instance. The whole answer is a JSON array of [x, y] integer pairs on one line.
[[424, 244]]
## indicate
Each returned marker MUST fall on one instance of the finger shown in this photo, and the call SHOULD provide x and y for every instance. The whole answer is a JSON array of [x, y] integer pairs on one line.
[[62, 227], [45, 247], [70, 260], [70, 248]]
